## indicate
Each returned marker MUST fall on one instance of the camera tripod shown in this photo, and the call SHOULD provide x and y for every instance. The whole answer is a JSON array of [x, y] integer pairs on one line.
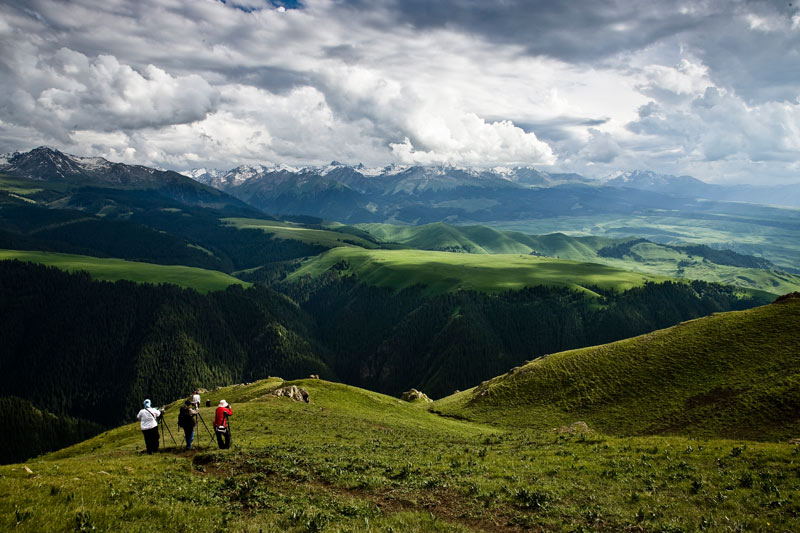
[[210, 435], [163, 425], [196, 425]]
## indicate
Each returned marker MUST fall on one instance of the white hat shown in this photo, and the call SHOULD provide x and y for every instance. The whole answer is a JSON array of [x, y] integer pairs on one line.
[[223, 403]]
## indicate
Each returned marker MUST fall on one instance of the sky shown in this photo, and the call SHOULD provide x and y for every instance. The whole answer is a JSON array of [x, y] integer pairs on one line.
[[705, 88]]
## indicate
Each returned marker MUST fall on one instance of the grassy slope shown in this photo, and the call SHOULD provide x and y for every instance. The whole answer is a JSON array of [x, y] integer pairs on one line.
[[733, 374], [486, 240], [778, 241], [664, 261], [650, 258], [289, 230], [352, 460], [109, 269], [443, 271]]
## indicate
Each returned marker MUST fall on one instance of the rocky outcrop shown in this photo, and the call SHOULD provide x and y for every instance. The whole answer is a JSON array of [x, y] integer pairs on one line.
[[293, 392], [415, 396]]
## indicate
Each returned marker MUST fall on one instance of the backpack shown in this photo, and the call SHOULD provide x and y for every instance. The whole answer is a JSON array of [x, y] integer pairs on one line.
[[185, 419]]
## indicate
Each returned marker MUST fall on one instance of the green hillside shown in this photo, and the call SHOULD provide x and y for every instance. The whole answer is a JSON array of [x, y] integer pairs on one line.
[[352, 460], [734, 375], [486, 240], [775, 237], [294, 231], [675, 260], [109, 269], [443, 272]]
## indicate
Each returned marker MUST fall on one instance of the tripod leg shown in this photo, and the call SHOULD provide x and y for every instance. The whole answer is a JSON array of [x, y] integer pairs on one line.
[[164, 425], [210, 435]]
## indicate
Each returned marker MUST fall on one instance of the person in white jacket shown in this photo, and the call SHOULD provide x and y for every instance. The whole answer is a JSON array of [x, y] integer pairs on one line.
[[148, 417]]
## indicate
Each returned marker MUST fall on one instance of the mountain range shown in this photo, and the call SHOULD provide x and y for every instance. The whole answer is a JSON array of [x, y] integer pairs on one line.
[[420, 194], [46, 164]]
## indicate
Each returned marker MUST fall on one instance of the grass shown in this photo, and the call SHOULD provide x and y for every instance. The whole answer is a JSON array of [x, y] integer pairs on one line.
[[292, 231], [18, 186], [665, 261], [775, 239], [444, 272], [733, 375], [352, 460], [650, 258], [109, 269], [486, 240]]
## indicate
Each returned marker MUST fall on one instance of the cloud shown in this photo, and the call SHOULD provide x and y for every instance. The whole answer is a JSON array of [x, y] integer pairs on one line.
[[578, 86], [69, 91], [469, 140]]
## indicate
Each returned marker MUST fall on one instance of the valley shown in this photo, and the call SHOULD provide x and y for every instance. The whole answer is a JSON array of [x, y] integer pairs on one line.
[[348, 266], [374, 462], [618, 370]]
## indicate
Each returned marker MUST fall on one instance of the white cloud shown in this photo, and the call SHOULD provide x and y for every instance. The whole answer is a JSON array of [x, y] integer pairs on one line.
[[687, 78], [181, 83]]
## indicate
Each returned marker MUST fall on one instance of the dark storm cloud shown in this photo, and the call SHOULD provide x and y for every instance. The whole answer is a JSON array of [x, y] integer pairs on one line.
[[591, 86], [763, 64], [571, 31], [555, 129]]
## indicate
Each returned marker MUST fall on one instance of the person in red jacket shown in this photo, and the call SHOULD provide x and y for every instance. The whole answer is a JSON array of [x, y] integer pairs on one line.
[[221, 427]]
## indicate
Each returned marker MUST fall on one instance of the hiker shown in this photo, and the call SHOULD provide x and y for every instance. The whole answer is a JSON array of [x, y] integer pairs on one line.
[[148, 417], [221, 425], [196, 399], [187, 420]]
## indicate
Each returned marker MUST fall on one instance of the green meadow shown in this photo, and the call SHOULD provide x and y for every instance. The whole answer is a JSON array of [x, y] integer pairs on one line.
[[443, 272], [776, 239], [293, 231], [732, 375], [486, 240], [564, 443], [110, 269], [650, 257], [355, 461]]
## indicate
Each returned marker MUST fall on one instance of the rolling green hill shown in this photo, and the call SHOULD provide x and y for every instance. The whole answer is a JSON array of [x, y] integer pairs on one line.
[[443, 272], [486, 240], [734, 375], [766, 232], [109, 269], [690, 261], [299, 232], [353, 460]]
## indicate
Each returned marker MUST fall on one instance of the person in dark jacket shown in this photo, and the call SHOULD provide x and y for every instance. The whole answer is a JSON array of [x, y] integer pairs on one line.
[[148, 417], [187, 419], [221, 427]]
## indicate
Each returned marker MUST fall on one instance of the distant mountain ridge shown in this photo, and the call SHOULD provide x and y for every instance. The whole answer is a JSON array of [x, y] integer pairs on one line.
[[423, 194], [389, 179], [688, 186], [48, 164], [45, 164]]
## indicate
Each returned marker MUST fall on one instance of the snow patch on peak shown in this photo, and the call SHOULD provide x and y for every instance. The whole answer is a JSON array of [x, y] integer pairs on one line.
[[91, 163]]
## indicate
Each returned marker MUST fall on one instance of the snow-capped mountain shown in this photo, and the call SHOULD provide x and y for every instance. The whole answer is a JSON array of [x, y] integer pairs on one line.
[[45, 164], [649, 180], [391, 179], [48, 164]]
